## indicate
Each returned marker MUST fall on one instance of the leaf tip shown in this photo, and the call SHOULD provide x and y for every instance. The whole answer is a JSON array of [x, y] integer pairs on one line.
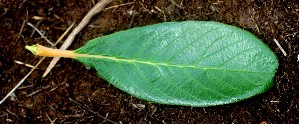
[[32, 48]]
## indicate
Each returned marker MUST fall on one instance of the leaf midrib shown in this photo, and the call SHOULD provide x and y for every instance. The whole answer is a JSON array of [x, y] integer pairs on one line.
[[78, 55]]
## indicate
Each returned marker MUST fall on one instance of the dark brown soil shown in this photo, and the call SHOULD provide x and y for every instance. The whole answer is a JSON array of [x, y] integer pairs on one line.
[[71, 93]]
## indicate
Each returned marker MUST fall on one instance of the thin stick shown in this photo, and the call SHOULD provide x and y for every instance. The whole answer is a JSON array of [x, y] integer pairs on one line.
[[22, 63], [177, 5], [19, 84], [279, 46], [40, 61], [37, 91], [22, 28], [64, 34], [57, 86], [41, 34], [95, 10], [25, 87], [116, 6], [93, 112], [133, 17], [51, 121], [73, 116], [33, 31], [11, 113]]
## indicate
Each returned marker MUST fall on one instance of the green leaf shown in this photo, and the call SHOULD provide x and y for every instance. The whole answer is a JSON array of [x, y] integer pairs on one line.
[[191, 63]]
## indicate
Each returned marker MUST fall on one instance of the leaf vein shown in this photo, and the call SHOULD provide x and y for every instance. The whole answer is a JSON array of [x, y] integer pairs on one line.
[[204, 57], [168, 29], [147, 80], [241, 53], [203, 85], [159, 64], [175, 55], [179, 88]]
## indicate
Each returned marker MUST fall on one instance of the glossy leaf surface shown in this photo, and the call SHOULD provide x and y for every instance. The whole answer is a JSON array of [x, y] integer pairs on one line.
[[191, 63]]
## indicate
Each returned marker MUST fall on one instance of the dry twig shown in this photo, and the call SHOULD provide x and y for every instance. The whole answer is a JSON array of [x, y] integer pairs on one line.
[[22, 28], [116, 6], [19, 84], [93, 112], [41, 34], [37, 91], [22, 63], [177, 5], [95, 10], [51, 121], [279, 46], [40, 61]]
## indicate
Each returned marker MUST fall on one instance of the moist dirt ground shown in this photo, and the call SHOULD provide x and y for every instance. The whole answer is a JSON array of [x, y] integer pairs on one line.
[[73, 94]]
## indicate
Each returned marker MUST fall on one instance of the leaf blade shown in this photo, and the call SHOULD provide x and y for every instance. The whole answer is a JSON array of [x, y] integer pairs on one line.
[[183, 62]]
